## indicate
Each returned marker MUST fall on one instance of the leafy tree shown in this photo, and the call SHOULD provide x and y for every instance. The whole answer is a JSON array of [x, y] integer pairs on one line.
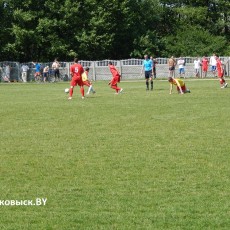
[[112, 28], [200, 27], [149, 39], [5, 31], [193, 42], [115, 29]]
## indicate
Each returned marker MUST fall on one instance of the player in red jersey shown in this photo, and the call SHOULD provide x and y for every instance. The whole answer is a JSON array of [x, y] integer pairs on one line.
[[116, 78], [220, 72], [76, 70], [204, 63]]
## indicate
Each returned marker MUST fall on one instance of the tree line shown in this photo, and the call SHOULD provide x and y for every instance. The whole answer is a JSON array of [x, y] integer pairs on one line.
[[112, 29]]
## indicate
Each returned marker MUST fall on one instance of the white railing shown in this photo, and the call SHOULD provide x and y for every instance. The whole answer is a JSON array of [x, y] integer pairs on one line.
[[129, 68]]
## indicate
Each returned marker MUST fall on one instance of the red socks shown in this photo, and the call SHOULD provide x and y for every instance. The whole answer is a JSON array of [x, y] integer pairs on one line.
[[82, 91], [71, 92], [116, 88], [222, 81]]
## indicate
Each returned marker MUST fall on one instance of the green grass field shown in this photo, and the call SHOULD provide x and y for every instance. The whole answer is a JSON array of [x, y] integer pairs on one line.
[[138, 160]]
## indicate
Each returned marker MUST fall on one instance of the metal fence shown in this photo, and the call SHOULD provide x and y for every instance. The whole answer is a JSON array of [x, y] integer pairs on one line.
[[129, 68]]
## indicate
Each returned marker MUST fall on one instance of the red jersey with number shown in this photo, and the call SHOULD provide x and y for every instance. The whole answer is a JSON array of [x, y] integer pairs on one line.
[[76, 70]]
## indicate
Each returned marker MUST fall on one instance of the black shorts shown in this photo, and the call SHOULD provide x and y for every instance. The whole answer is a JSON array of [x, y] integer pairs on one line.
[[148, 74], [172, 68]]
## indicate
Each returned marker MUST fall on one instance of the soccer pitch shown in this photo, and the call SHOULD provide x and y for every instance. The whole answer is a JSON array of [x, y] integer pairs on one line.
[[137, 160]]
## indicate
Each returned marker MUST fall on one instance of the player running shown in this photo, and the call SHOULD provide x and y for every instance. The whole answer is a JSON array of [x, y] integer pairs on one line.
[[220, 73], [116, 78]]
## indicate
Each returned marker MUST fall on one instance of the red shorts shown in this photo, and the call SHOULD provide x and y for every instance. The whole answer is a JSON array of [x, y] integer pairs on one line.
[[37, 74], [76, 81], [116, 79], [87, 83], [182, 87], [205, 68]]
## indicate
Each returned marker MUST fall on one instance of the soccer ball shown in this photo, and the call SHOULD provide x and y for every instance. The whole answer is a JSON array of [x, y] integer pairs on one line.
[[66, 90]]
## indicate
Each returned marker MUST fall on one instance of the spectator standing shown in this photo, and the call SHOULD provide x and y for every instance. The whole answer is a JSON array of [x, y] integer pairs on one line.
[[55, 66], [197, 65], [0, 73], [181, 64], [204, 64], [154, 60], [24, 69], [212, 63], [37, 70], [45, 73], [172, 66], [224, 64], [6, 76]]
